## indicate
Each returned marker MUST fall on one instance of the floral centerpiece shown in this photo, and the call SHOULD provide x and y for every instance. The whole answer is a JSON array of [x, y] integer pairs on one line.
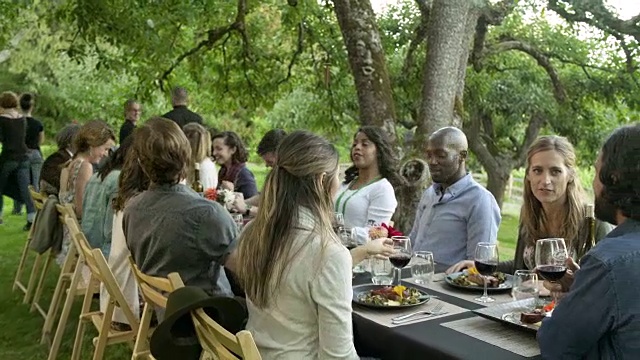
[[223, 196], [383, 231]]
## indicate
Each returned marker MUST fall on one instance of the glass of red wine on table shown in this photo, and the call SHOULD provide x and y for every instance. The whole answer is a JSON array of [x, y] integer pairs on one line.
[[486, 262], [551, 257], [401, 255]]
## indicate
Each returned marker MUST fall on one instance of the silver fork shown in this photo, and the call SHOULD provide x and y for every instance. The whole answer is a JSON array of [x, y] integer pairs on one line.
[[435, 311]]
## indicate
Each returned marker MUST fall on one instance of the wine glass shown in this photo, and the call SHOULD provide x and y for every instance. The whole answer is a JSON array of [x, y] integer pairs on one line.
[[338, 222], [525, 286], [551, 257], [401, 255], [486, 261]]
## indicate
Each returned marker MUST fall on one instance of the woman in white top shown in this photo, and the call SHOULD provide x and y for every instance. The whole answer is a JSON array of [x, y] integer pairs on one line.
[[200, 141], [367, 193], [292, 266]]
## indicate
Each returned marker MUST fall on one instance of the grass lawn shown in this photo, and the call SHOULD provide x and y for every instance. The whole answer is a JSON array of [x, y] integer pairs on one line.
[[20, 337]]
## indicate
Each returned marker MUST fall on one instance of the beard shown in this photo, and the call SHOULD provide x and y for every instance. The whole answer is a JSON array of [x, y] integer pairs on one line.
[[605, 210]]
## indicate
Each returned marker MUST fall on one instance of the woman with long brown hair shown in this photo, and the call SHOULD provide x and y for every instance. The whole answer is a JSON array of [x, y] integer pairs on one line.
[[554, 205]]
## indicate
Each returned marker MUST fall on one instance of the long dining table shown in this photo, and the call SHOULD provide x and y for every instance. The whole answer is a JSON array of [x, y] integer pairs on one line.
[[430, 339]]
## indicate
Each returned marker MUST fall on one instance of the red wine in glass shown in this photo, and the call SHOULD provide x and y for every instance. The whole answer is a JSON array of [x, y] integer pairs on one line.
[[400, 260], [486, 269], [552, 272]]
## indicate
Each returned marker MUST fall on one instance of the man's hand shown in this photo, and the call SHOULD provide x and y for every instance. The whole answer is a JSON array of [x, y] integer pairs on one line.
[[561, 287]]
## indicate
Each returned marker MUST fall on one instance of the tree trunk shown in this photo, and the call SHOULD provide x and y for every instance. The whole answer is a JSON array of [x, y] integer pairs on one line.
[[367, 61], [497, 180]]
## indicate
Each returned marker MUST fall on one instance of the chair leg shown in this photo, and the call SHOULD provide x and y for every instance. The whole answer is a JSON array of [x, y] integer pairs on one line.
[[40, 286], [103, 336], [66, 274], [142, 342], [86, 308], [66, 310], [17, 282], [32, 279]]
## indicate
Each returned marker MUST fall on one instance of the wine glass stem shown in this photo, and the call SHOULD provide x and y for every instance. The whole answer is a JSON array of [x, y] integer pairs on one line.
[[485, 295], [398, 275]]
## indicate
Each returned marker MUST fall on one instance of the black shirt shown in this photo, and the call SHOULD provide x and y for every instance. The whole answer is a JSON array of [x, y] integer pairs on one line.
[[12, 136], [34, 128], [126, 129], [182, 116]]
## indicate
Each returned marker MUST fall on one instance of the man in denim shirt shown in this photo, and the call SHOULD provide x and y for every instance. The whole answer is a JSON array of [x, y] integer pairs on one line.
[[456, 213], [170, 227], [600, 316]]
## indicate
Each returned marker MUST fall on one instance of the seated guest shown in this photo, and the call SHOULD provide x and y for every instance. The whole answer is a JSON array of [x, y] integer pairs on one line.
[[231, 155], [292, 266], [14, 158], [131, 181], [200, 141], [553, 205], [53, 164], [367, 193], [455, 213], [600, 316], [169, 227], [92, 144], [97, 203]]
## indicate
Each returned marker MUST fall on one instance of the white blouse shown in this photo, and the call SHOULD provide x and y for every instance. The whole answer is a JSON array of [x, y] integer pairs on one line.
[[376, 201], [208, 174]]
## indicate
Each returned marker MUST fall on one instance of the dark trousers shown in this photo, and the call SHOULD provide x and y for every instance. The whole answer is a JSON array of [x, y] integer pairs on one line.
[[35, 165], [23, 175]]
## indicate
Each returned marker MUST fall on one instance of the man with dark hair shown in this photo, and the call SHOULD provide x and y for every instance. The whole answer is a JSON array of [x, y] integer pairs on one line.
[[269, 144], [599, 318], [169, 227], [132, 112], [180, 113]]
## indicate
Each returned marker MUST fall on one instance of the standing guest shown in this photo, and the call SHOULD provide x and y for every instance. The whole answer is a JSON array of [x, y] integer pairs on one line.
[[132, 112], [53, 164], [366, 193], [14, 156], [97, 209], [169, 227], [455, 213], [293, 268], [200, 141], [231, 155], [132, 181], [553, 205], [180, 114], [600, 316], [92, 144], [33, 139], [268, 145]]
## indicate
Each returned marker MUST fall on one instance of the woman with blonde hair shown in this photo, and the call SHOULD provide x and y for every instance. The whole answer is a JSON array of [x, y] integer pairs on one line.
[[292, 266], [200, 141], [554, 205]]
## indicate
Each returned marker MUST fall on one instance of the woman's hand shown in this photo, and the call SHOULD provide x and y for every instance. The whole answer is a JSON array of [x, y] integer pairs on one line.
[[382, 247], [464, 264], [562, 287], [228, 185], [239, 205]]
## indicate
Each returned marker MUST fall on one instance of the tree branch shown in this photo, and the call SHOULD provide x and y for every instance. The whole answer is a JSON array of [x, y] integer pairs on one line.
[[299, 49], [419, 35], [533, 129]]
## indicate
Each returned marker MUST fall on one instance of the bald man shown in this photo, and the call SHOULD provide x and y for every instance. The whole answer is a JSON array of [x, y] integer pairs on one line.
[[455, 213]]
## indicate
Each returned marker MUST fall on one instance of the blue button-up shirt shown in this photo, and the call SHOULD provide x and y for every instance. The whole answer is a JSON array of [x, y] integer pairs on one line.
[[451, 222], [600, 317]]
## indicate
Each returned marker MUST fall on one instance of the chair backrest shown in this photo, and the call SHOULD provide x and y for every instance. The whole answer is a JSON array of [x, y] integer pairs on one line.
[[100, 270], [154, 289], [66, 210], [38, 198], [220, 342]]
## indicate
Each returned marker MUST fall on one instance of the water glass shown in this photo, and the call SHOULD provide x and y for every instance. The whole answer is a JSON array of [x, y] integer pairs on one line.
[[381, 271], [525, 286], [422, 267]]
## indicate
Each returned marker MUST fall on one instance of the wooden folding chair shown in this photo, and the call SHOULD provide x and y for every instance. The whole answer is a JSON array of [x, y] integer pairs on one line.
[[70, 282], [38, 201], [154, 290], [101, 273]]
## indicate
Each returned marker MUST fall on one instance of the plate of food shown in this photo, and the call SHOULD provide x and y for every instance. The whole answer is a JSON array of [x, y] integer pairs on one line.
[[388, 297], [525, 314], [470, 279]]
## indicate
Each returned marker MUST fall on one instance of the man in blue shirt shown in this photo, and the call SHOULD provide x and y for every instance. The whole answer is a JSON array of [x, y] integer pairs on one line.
[[455, 213], [600, 316]]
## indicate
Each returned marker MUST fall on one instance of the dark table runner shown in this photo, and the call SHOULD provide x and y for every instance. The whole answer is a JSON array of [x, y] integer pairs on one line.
[[426, 339]]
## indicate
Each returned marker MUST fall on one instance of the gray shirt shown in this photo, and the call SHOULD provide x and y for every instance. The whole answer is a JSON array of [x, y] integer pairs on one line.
[[451, 222], [173, 229]]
